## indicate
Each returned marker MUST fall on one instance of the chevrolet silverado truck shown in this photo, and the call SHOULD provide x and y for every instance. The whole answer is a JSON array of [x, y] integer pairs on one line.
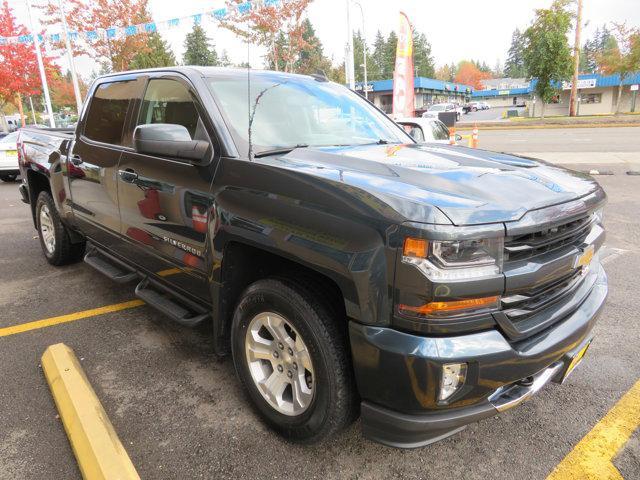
[[345, 268]]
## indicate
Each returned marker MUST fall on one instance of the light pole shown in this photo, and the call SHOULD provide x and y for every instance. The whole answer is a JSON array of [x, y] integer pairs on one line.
[[43, 75], [364, 50], [72, 64], [576, 64], [348, 61]]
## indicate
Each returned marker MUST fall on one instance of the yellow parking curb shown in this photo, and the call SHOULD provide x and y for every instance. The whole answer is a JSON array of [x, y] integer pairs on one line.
[[96, 445]]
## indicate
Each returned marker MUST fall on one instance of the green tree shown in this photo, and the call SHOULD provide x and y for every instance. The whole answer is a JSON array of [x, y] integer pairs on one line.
[[422, 58], [547, 55], [199, 49], [156, 54], [378, 56], [310, 57], [602, 41], [358, 57], [389, 56], [515, 66]]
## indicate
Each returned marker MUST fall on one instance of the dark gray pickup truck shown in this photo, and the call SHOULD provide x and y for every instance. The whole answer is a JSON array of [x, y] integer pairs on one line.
[[347, 269]]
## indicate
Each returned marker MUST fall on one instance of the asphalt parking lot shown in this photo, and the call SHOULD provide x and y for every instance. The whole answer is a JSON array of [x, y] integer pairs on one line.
[[180, 412]]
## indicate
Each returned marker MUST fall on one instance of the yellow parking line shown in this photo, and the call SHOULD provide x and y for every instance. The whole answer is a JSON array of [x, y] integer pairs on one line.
[[591, 458], [95, 443], [72, 317]]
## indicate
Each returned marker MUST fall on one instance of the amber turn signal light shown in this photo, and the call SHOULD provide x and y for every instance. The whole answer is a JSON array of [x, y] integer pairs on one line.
[[453, 306], [415, 247]]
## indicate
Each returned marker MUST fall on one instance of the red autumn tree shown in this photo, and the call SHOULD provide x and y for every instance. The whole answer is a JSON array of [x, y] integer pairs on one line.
[[469, 74], [62, 93], [279, 28], [19, 74], [92, 15]]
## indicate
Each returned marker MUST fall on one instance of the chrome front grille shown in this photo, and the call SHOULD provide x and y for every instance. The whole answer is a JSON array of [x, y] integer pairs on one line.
[[522, 247], [524, 305]]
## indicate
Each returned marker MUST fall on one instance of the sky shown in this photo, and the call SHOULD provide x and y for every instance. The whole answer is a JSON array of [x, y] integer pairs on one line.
[[465, 29]]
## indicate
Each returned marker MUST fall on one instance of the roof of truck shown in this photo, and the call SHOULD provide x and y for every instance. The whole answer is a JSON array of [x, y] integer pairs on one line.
[[214, 71]]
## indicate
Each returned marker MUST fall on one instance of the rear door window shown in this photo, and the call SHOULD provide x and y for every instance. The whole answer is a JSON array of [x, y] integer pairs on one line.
[[108, 111]]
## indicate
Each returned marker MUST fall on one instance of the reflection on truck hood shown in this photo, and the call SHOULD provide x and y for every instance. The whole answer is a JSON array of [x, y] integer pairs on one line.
[[469, 186]]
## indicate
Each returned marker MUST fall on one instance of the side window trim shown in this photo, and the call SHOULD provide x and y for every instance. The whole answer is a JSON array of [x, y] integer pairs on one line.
[[210, 129], [82, 135]]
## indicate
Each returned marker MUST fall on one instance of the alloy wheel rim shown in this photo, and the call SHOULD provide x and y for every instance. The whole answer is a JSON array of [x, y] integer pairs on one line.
[[47, 230], [280, 364]]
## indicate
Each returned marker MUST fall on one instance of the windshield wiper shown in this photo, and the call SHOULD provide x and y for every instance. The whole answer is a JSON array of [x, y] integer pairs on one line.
[[279, 151]]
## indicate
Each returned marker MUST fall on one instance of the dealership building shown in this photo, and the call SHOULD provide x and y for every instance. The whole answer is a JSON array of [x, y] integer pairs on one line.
[[427, 92], [597, 94]]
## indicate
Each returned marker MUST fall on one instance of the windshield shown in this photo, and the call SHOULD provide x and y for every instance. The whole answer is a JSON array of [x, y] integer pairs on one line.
[[436, 108], [293, 111], [11, 138]]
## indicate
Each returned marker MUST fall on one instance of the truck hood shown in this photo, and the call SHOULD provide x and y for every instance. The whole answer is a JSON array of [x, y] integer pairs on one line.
[[469, 186]]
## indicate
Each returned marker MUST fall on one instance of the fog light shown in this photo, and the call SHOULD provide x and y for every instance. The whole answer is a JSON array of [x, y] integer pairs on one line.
[[453, 375]]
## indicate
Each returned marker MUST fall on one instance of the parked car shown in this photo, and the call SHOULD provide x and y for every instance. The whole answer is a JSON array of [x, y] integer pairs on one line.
[[472, 107], [434, 110], [484, 105], [426, 130], [344, 267], [9, 157]]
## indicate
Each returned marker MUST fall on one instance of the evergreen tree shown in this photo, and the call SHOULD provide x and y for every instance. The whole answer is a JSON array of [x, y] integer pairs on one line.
[[378, 56], [198, 49], [358, 57], [389, 56], [515, 66], [311, 53], [156, 54], [422, 59]]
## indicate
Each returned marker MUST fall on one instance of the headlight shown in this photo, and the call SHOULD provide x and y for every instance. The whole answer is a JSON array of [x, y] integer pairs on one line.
[[442, 260], [599, 216]]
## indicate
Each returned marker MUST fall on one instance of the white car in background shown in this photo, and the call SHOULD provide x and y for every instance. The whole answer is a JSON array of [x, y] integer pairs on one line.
[[9, 158], [434, 110], [426, 130]]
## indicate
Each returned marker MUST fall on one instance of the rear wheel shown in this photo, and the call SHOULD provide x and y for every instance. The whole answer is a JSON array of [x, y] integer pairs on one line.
[[9, 178], [54, 236], [292, 358]]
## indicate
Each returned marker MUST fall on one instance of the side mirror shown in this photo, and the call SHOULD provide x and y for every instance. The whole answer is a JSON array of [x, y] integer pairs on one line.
[[169, 140]]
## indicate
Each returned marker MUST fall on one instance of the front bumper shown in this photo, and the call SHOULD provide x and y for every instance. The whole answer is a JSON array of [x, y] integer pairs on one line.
[[398, 373]]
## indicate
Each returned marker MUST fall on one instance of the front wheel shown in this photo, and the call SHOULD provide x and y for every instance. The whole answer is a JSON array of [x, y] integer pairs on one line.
[[291, 354], [9, 178], [54, 237]]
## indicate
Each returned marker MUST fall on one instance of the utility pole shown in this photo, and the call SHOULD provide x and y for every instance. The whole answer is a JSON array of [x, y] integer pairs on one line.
[[348, 61], [576, 63], [43, 75], [364, 51], [72, 64]]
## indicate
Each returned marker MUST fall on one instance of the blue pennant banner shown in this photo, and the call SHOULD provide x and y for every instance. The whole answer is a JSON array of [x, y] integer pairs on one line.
[[150, 27]]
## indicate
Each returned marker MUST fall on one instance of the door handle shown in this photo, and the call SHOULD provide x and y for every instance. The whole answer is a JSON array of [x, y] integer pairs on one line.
[[128, 175], [76, 160]]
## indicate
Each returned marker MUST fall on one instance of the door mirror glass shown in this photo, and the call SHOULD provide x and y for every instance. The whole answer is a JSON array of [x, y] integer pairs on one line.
[[169, 140]]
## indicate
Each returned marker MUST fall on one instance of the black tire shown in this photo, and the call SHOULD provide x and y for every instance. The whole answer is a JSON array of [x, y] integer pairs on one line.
[[334, 402], [63, 251], [9, 178]]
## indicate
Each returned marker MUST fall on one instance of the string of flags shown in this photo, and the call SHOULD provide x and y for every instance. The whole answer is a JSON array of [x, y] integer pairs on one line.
[[115, 33]]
